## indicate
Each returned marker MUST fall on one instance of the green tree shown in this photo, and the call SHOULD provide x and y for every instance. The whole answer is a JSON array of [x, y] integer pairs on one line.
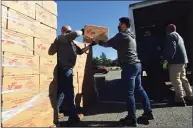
[[104, 59], [115, 62], [96, 61]]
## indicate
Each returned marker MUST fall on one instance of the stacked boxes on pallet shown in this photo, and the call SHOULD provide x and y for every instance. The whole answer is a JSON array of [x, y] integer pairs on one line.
[[28, 29], [29, 75]]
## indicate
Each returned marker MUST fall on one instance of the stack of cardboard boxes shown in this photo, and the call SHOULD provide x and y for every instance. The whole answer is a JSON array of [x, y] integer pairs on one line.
[[28, 29], [29, 76]]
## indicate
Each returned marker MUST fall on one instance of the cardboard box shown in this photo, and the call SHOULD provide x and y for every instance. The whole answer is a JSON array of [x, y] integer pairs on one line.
[[15, 99], [39, 2], [96, 32], [79, 44], [46, 120], [31, 118], [81, 60], [45, 82], [21, 23], [46, 33], [17, 64], [4, 17], [80, 65], [25, 7], [41, 47], [31, 114], [47, 65], [50, 6], [26, 83], [16, 42], [46, 17]]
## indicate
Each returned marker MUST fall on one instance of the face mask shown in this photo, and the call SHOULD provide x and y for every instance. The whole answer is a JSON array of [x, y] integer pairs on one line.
[[69, 31]]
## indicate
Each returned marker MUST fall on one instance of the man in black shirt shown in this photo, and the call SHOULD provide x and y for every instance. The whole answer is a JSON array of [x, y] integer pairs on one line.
[[67, 52]]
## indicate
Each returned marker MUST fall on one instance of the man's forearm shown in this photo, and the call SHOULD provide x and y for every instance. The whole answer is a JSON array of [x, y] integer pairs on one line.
[[104, 44], [86, 49], [52, 49], [75, 34], [111, 42]]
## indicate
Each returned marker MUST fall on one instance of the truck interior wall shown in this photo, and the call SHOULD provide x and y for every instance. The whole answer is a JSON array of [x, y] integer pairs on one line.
[[157, 17]]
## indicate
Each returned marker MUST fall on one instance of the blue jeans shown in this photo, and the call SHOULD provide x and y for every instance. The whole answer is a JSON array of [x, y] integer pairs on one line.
[[131, 76], [66, 91]]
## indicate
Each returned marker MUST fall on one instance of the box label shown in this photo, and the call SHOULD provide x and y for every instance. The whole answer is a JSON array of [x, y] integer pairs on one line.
[[96, 32]]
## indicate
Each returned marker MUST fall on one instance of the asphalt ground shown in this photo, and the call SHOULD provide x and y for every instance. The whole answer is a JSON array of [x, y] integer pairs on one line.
[[110, 108]]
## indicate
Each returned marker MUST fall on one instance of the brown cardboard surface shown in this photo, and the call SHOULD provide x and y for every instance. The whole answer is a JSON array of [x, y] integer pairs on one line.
[[46, 17], [47, 65], [25, 7], [80, 44], [41, 47], [46, 32], [46, 120], [31, 119], [23, 120], [17, 64], [21, 23], [15, 99], [25, 83], [96, 32], [50, 6], [9, 3], [33, 114], [16, 42], [4, 17], [81, 60], [79, 71], [45, 81]]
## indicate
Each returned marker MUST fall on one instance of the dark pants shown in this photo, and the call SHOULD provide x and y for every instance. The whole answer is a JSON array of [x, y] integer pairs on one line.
[[155, 82], [66, 91], [131, 76]]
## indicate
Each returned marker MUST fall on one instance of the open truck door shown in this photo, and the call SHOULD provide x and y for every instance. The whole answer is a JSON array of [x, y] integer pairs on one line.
[[157, 15]]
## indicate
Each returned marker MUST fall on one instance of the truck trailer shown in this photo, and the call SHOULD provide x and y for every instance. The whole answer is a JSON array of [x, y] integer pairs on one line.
[[156, 15]]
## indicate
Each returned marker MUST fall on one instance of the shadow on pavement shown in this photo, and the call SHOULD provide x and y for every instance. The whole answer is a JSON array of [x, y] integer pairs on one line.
[[108, 108], [113, 93], [91, 124], [115, 90], [99, 123]]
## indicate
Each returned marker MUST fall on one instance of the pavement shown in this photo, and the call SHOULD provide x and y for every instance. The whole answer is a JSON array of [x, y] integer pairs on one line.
[[110, 108]]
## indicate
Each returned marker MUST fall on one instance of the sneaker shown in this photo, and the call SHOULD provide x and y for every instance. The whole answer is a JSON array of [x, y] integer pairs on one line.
[[73, 120], [147, 116], [127, 121]]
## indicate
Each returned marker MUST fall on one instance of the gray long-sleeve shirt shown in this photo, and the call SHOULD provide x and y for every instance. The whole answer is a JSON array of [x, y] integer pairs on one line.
[[125, 44], [67, 50], [175, 51]]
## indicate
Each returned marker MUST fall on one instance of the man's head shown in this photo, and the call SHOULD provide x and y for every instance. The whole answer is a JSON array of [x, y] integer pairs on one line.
[[66, 29], [124, 24], [171, 28]]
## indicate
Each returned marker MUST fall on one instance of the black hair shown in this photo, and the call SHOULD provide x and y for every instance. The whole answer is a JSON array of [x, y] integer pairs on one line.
[[126, 21]]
